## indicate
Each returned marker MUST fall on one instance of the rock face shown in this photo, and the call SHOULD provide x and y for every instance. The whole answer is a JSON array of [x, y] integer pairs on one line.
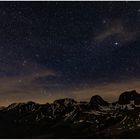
[[67, 118], [65, 102], [23, 107], [129, 96], [96, 101], [63, 106]]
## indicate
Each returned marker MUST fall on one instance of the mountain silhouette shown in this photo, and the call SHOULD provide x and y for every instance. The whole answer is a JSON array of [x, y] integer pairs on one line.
[[97, 101], [67, 118], [128, 96]]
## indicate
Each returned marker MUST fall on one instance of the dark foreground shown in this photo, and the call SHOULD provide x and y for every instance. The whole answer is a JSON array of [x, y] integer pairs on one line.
[[66, 118]]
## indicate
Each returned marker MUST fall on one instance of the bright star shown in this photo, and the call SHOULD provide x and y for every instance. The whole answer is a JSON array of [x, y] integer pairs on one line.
[[116, 43]]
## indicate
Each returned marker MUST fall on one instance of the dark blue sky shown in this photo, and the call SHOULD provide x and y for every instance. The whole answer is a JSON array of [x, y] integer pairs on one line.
[[79, 43]]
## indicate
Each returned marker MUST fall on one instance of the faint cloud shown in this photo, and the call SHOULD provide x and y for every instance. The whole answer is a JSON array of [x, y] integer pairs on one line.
[[116, 30]]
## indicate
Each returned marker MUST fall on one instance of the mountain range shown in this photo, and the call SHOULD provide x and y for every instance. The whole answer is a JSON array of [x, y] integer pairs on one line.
[[67, 118]]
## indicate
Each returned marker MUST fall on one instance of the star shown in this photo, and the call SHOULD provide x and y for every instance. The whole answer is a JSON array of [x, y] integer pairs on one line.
[[24, 63], [116, 43], [4, 13], [37, 55], [104, 21]]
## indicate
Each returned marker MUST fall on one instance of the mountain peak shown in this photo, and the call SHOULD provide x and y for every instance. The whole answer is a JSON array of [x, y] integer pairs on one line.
[[128, 96], [65, 101], [97, 101], [23, 107]]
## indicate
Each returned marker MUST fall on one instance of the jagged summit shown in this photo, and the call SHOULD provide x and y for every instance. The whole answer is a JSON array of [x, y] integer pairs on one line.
[[68, 115], [23, 107], [65, 101], [97, 101], [129, 96]]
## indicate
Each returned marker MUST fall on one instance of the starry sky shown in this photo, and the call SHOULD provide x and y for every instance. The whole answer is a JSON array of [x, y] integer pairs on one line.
[[52, 50]]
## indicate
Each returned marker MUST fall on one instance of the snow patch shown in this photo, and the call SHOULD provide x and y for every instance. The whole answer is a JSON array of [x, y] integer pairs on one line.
[[138, 125]]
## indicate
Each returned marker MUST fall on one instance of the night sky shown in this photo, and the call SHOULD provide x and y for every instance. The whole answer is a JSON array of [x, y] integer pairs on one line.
[[52, 50]]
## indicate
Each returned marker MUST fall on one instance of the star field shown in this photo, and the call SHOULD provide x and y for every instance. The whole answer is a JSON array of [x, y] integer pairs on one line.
[[50, 50]]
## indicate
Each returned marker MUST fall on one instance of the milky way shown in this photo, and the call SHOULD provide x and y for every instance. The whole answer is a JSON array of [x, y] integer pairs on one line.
[[51, 50]]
